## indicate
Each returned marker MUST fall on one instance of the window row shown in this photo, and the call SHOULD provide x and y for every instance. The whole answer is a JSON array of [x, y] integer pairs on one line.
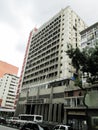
[[47, 27], [44, 55], [43, 60], [47, 47], [40, 71], [41, 78], [45, 37], [44, 44]]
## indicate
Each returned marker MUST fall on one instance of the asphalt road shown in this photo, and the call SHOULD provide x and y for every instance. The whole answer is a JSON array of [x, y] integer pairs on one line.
[[6, 128]]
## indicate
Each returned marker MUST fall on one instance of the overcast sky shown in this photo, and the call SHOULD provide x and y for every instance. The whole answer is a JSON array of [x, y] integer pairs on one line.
[[19, 17]]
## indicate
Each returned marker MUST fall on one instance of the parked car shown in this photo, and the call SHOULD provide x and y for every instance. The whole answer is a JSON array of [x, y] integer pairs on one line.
[[62, 127], [47, 125], [24, 118], [33, 126], [11, 121], [30, 117], [2, 120]]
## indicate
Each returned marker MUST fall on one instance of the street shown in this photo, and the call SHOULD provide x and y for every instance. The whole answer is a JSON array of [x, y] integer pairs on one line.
[[6, 128]]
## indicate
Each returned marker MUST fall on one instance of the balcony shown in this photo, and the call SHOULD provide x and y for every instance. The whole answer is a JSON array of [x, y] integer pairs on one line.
[[73, 102]]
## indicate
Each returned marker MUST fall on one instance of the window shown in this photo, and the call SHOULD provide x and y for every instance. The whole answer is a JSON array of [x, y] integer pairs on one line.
[[56, 128], [62, 128], [94, 121]]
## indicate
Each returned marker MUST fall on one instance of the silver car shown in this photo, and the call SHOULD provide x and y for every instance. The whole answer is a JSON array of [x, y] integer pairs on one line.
[[62, 127]]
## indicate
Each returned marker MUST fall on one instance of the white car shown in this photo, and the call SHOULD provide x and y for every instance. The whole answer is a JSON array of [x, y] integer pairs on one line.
[[24, 118], [62, 127]]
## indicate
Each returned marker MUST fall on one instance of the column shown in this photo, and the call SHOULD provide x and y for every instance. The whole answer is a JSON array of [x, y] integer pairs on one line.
[[65, 116], [38, 110], [50, 112], [42, 111], [46, 112], [59, 113], [54, 112], [35, 111]]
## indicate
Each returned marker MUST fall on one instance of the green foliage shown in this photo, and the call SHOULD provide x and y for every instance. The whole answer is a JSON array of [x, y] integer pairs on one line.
[[91, 63], [78, 82], [86, 61], [78, 58]]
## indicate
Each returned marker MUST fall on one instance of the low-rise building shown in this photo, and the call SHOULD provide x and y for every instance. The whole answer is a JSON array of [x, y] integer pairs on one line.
[[81, 105]]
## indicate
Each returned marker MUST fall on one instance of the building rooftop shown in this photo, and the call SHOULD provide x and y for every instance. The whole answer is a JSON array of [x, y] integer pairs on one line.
[[90, 27]]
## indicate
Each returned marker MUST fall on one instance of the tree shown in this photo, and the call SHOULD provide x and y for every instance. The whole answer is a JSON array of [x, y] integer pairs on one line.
[[91, 64], [78, 60], [76, 56], [85, 61]]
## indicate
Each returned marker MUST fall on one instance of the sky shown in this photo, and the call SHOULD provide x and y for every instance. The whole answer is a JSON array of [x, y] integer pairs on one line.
[[19, 17]]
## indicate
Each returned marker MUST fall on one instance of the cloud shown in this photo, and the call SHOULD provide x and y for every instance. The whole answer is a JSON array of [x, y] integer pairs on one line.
[[19, 17], [7, 13], [86, 9], [8, 36]]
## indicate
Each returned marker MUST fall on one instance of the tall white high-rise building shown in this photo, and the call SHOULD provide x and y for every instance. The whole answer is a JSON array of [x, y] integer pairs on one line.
[[47, 66], [8, 89]]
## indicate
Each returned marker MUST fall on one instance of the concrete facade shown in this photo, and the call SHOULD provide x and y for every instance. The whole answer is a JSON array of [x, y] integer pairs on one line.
[[48, 68], [89, 36]]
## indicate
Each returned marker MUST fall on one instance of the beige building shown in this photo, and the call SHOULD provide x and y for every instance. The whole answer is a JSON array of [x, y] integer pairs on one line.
[[47, 67]]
